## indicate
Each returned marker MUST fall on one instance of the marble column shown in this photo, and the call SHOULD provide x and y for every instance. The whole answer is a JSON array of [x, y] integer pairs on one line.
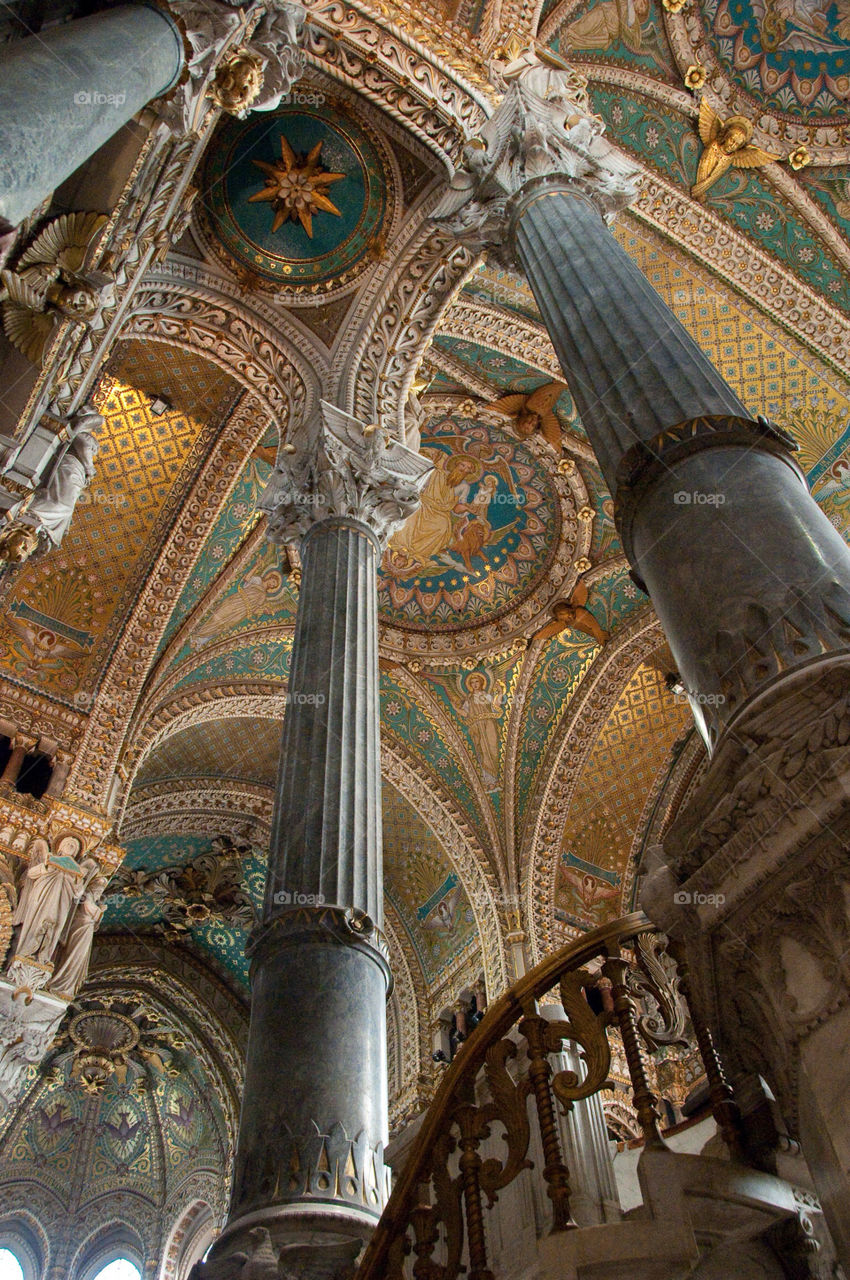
[[747, 575], [751, 584], [66, 91], [309, 1181]]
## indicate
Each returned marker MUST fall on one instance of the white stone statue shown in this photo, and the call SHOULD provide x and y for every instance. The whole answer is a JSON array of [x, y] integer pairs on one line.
[[37, 855], [276, 40], [75, 951], [53, 504], [50, 893]]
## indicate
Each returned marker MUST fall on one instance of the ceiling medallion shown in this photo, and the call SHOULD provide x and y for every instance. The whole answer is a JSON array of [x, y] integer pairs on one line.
[[114, 1037], [785, 68], [295, 187], [328, 188], [494, 541]]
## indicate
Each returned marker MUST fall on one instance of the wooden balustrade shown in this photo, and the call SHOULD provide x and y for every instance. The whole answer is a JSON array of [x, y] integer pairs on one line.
[[434, 1225]]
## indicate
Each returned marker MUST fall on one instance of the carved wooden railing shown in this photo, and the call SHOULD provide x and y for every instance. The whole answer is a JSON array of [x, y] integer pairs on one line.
[[437, 1204]]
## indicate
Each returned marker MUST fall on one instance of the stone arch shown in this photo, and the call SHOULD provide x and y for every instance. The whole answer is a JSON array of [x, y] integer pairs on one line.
[[115, 1239], [24, 1236], [188, 1240], [183, 304], [560, 771]]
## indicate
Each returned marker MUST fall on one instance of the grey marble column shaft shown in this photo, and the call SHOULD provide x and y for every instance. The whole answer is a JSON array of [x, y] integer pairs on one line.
[[314, 1114], [326, 835], [66, 91], [309, 1183], [632, 368], [747, 575]]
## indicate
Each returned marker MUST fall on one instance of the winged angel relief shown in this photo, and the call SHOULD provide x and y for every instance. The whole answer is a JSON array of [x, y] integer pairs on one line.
[[728, 144]]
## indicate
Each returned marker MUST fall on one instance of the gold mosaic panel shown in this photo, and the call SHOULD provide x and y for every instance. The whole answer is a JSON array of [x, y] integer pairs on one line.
[[771, 372], [631, 749], [75, 591]]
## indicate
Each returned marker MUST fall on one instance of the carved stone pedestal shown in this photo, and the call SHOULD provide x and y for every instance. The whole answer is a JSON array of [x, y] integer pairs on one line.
[[756, 889], [27, 1026]]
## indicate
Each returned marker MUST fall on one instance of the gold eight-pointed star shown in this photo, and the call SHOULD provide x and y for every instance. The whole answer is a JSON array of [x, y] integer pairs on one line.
[[296, 187]]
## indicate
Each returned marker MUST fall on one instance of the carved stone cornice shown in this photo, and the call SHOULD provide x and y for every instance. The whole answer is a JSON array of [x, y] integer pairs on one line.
[[501, 331], [542, 132], [440, 98], [341, 468], [185, 804]]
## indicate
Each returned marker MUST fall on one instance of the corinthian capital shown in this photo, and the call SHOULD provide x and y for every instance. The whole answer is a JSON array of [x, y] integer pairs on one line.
[[543, 127], [340, 467]]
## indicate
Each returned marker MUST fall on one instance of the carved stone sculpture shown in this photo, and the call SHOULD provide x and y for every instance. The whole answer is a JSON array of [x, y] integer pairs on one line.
[[542, 127], [75, 951], [276, 40], [54, 278], [53, 505], [51, 891], [340, 467]]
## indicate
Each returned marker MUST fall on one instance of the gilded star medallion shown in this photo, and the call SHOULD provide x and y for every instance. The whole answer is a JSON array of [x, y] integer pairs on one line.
[[296, 187]]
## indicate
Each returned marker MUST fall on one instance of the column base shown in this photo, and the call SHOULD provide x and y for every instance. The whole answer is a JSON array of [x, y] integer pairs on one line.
[[299, 1244], [310, 1183]]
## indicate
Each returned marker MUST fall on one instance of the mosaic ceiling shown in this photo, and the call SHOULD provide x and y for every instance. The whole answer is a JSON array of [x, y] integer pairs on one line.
[[477, 681], [297, 195]]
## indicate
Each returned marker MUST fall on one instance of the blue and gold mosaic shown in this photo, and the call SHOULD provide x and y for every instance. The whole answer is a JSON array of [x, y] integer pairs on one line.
[[297, 195]]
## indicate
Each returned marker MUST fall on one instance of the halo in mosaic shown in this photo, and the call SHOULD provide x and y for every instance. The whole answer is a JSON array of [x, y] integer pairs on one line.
[[314, 141], [483, 537]]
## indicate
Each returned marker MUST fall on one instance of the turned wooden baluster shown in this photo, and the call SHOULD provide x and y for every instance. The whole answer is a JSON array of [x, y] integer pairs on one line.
[[426, 1234], [555, 1172], [468, 1121], [724, 1108], [616, 969]]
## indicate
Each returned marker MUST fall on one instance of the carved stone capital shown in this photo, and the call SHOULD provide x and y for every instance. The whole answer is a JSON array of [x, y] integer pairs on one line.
[[237, 60], [543, 131], [341, 468]]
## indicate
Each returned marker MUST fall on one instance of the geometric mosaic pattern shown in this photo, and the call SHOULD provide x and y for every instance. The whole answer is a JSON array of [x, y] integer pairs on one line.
[[633, 746], [241, 747]]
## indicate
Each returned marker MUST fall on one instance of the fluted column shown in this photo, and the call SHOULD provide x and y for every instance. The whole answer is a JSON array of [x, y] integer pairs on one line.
[[751, 584], [66, 91], [706, 496], [309, 1182], [746, 573]]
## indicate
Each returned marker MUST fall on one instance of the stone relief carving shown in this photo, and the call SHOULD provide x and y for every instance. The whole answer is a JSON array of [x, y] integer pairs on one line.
[[341, 467], [543, 127], [54, 885], [208, 889]]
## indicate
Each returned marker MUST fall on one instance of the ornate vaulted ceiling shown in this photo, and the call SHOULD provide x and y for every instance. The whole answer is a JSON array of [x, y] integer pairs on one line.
[[522, 760]]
